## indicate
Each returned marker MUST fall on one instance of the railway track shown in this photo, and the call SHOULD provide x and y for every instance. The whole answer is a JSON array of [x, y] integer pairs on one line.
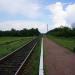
[[12, 64]]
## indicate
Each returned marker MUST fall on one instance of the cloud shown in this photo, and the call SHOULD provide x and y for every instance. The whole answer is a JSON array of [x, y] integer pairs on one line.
[[19, 25], [58, 14], [70, 10], [62, 14], [31, 9], [27, 8]]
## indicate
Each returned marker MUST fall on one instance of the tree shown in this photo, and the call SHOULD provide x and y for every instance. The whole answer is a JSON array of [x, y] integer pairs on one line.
[[63, 32], [24, 32]]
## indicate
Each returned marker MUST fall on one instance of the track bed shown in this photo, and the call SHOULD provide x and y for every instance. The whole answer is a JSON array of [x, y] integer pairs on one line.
[[11, 64]]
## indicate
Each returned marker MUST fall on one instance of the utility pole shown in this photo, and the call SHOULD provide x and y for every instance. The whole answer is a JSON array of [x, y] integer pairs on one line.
[[47, 27]]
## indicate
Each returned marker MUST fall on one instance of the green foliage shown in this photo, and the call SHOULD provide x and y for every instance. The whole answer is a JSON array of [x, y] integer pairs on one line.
[[74, 49], [62, 32], [24, 32]]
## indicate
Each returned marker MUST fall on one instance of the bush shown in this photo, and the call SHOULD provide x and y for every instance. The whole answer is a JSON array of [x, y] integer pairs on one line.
[[74, 49], [62, 32]]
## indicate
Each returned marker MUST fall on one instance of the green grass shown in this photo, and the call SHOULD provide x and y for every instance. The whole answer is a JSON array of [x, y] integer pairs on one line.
[[65, 42], [9, 44], [36, 60], [32, 65]]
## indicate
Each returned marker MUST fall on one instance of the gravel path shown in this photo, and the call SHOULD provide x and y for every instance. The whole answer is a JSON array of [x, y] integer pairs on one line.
[[58, 60]]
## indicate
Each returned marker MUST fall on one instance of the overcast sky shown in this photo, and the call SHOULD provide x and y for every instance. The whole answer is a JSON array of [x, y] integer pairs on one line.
[[19, 14]]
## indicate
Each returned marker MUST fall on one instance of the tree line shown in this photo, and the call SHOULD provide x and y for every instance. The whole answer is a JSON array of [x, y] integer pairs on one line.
[[24, 32], [62, 32]]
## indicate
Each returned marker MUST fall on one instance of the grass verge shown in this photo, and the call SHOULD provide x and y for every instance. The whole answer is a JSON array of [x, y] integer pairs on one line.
[[9, 44], [65, 42]]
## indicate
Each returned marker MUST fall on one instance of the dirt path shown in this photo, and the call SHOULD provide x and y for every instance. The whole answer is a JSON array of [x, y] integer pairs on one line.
[[58, 60]]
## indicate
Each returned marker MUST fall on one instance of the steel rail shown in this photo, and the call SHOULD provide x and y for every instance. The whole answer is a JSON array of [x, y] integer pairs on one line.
[[13, 62]]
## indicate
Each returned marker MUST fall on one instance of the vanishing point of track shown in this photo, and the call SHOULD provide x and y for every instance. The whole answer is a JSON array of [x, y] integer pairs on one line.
[[12, 64]]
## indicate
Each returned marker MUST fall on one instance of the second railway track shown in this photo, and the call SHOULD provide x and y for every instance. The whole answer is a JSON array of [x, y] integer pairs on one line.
[[11, 64]]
